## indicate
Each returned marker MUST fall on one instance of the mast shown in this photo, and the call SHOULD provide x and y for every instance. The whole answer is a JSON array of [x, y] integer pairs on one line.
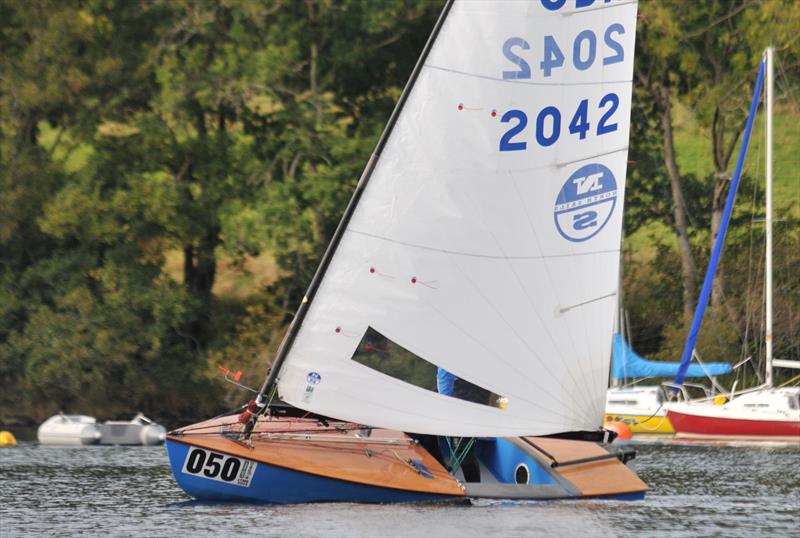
[[619, 320], [294, 327], [705, 293], [768, 266]]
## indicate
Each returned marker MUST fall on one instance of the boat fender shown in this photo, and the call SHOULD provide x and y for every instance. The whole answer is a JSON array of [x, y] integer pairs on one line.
[[621, 429]]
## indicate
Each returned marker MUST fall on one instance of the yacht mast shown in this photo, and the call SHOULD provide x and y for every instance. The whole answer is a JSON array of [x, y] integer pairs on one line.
[[768, 266]]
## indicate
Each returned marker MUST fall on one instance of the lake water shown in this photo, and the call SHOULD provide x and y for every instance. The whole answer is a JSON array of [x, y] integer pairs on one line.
[[697, 490]]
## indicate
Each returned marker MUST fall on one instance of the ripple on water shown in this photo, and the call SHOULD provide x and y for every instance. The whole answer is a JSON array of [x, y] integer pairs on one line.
[[122, 491]]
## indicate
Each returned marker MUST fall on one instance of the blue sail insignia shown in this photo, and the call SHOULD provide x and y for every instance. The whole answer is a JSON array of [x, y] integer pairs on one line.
[[585, 202]]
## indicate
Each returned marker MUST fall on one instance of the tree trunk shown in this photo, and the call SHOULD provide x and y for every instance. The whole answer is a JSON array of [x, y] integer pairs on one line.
[[722, 181], [199, 272], [680, 224]]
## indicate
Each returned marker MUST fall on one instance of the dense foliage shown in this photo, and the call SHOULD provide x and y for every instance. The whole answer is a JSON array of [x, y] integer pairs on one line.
[[172, 170]]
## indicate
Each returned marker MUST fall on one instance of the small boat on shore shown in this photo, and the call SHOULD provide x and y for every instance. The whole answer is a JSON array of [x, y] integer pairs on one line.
[[69, 430], [79, 430], [140, 430]]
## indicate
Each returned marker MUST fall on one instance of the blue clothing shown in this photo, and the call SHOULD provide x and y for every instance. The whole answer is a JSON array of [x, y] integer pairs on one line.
[[445, 382]]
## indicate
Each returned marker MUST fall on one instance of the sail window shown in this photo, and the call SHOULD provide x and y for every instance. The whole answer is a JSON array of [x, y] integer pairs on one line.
[[380, 353]]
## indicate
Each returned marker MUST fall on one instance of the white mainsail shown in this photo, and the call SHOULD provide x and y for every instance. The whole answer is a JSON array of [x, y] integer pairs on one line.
[[487, 238]]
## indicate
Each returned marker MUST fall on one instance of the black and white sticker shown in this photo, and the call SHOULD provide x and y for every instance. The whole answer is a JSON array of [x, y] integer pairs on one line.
[[219, 467]]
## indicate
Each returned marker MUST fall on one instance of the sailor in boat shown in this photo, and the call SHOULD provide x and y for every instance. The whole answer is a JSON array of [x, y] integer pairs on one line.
[[455, 452], [451, 385]]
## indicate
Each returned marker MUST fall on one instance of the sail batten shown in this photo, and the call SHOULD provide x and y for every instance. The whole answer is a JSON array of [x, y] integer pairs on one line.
[[526, 82], [486, 240], [485, 255]]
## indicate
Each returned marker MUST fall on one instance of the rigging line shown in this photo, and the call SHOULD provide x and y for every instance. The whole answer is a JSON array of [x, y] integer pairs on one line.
[[606, 296], [586, 384], [476, 255], [522, 286], [525, 83], [749, 312]]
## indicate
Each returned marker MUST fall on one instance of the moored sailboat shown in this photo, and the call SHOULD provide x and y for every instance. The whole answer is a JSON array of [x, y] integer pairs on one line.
[[640, 406], [765, 412], [482, 242]]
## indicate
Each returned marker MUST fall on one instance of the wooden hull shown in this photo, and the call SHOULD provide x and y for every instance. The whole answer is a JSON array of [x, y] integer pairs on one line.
[[303, 460]]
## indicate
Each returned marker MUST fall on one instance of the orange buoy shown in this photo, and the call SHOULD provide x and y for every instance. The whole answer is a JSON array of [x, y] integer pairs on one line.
[[621, 429], [7, 439]]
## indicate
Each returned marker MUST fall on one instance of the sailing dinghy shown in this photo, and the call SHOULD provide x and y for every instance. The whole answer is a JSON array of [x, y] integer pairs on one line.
[[481, 246]]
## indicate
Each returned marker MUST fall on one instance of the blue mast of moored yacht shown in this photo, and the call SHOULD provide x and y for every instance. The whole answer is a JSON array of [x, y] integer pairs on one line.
[[702, 302]]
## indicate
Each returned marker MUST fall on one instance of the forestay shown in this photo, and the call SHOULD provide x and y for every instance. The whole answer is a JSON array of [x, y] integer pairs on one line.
[[487, 239]]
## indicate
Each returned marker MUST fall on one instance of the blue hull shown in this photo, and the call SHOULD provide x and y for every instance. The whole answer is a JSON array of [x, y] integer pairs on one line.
[[499, 459], [276, 485]]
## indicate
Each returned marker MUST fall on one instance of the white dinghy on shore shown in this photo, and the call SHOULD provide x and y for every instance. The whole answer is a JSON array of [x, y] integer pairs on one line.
[[70, 430], [79, 430], [140, 430]]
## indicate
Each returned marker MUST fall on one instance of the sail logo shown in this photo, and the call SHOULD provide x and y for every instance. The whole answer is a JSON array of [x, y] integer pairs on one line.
[[585, 202], [312, 380]]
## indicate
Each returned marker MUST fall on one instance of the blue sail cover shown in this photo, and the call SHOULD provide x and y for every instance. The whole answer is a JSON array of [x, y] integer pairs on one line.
[[626, 363]]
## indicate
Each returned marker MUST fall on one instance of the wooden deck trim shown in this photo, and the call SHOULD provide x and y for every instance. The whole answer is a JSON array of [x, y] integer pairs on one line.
[[403, 478], [588, 467]]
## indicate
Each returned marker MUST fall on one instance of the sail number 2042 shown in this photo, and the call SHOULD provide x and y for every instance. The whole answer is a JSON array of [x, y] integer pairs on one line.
[[548, 123], [579, 53], [220, 467]]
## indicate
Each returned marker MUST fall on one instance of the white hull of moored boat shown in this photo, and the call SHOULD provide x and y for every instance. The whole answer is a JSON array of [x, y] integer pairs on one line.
[[643, 409], [80, 430], [138, 431], [766, 414], [69, 430]]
